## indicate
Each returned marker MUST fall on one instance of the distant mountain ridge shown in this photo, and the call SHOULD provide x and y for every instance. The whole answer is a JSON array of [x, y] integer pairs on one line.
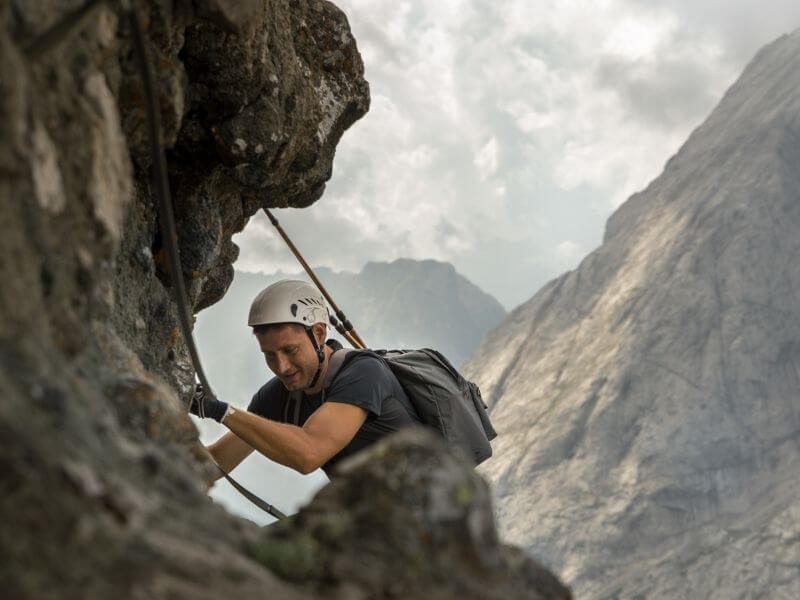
[[647, 402]]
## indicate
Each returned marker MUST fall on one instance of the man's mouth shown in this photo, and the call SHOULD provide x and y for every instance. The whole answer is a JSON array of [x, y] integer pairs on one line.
[[290, 377]]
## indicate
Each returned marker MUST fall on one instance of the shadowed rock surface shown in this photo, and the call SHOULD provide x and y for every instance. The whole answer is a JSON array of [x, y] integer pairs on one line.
[[647, 402], [101, 478]]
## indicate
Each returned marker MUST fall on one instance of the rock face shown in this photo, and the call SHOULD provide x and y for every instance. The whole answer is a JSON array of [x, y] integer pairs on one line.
[[647, 402], [102, 478]]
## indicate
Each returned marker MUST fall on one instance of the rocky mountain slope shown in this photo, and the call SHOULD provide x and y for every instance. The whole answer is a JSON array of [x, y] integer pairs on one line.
[[102, 476], [648, 402]]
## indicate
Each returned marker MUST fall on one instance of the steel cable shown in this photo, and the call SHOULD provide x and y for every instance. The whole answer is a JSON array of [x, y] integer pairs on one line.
[[169, 236]]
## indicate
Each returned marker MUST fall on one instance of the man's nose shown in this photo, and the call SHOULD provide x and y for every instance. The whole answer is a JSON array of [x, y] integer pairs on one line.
[[282, 365]]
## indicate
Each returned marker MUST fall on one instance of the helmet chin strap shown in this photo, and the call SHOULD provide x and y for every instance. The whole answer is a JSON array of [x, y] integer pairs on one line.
[[320, 356]]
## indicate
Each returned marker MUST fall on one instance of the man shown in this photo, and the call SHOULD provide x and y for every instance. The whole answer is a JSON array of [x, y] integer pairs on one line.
[[364, 403]]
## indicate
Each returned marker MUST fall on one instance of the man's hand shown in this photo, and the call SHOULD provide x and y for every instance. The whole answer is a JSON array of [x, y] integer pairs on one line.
[[204, 406]]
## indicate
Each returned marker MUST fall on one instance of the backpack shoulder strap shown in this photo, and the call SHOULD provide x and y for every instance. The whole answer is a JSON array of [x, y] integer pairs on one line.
[[335, 363], [292, 407]]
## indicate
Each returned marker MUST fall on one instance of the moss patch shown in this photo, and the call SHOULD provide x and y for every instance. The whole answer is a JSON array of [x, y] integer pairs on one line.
[[299, 558]]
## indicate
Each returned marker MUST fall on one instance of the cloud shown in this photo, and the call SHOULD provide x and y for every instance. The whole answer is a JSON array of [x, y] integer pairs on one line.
[[486, 159], [738, 29], [569, 250], [500, 129]]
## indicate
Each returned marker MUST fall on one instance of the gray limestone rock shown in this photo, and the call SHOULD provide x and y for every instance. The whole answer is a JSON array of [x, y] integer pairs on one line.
[[428, 512], [647, 402], [102, 478]]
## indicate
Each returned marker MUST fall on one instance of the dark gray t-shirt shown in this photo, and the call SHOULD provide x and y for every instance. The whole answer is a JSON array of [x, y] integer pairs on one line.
[[363, 380]]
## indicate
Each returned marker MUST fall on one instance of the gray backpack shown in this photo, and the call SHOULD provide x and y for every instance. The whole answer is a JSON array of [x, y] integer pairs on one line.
[[442, 398]]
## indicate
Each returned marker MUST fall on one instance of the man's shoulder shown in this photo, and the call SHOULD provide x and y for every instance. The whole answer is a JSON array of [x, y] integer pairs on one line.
[[365, 380], [358, 360], [361, 366]]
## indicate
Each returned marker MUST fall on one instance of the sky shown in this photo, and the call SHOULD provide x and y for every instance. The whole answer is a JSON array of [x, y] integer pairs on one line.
[[502, 134]]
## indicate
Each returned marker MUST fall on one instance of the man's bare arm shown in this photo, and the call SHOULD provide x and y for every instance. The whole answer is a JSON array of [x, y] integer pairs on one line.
[[229, 451], [305, 448]]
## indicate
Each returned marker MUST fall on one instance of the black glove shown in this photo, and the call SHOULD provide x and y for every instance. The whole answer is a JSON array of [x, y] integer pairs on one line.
[[204, 406]]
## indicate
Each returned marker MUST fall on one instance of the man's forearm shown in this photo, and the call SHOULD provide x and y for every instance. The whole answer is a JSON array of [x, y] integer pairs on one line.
[[286, 444], [229, 451]]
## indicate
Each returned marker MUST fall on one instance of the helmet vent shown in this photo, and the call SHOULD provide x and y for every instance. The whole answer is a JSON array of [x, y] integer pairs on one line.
[[305, 305]]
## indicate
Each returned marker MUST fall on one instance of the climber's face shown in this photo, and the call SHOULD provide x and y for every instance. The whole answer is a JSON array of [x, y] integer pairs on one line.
[[290, 354]]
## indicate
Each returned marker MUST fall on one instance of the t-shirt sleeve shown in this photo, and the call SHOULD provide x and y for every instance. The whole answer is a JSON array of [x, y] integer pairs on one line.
[[267, 402], [365, 383]]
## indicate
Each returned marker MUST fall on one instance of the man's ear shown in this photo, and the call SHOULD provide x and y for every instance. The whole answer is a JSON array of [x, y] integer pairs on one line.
[[320, 331]]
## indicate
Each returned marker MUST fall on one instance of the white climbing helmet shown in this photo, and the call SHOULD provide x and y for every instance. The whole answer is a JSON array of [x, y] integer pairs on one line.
[[288, 301]]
